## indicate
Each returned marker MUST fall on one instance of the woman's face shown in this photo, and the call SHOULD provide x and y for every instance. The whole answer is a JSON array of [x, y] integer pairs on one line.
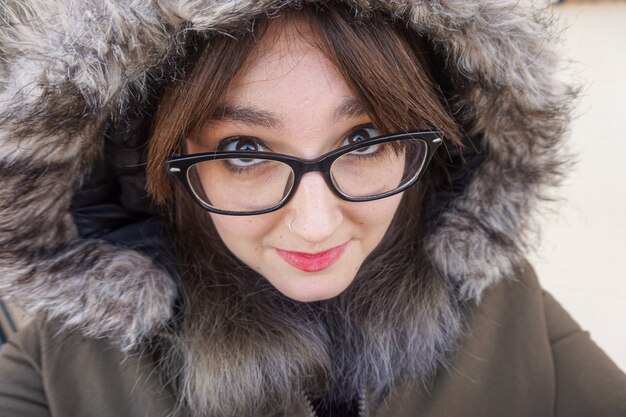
[[290, 98]]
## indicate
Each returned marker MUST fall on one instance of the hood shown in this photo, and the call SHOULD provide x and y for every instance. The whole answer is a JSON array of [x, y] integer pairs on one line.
[[72, 67]]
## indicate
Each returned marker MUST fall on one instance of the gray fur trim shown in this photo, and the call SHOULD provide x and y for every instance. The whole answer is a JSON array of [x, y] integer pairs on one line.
[[72, 64]]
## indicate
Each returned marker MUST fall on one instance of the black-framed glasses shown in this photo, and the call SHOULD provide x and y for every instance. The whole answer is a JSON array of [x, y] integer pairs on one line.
[[247, 183]]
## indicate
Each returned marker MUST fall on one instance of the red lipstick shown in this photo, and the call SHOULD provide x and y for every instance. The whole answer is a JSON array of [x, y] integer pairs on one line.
[[313, 262]]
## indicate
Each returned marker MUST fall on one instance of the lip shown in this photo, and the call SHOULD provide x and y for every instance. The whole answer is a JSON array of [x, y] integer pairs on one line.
[[313, 262]]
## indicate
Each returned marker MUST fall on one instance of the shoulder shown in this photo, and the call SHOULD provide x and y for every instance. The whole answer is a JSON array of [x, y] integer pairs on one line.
[[22, 391], [44, 339], [521, 355], [64, 365], [517, 298], [523, 279], [529, 344], [523, 308]]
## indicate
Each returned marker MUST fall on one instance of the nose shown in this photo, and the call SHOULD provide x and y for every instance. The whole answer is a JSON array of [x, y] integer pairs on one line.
[[314, 211]]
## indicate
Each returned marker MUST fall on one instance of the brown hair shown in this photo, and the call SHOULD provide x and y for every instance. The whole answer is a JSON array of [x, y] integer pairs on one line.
[[385, 66], [236, 354]]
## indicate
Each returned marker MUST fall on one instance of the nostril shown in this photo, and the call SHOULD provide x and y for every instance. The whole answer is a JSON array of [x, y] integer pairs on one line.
[[315, 210]]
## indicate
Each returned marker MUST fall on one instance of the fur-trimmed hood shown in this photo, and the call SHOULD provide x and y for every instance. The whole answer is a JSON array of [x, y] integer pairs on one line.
[[71, 67]]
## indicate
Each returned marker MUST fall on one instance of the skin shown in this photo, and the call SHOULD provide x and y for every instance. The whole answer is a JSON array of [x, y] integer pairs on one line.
[[292, 79]]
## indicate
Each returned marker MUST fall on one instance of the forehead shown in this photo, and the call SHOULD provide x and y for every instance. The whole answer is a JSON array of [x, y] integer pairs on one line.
[[289, 76]]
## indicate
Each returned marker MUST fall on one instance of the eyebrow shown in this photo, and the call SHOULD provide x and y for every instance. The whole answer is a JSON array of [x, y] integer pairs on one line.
[[348, 109], [252, 115]]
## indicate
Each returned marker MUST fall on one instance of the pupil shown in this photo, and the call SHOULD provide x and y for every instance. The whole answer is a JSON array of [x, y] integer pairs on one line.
[[359, 136], [246, 146]]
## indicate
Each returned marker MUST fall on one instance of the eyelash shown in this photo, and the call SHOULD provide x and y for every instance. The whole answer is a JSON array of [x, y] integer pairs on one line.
[[222, 144], [233, 139]]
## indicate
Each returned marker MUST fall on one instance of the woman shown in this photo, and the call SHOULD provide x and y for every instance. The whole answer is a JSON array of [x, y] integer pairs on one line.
[[340, 198]]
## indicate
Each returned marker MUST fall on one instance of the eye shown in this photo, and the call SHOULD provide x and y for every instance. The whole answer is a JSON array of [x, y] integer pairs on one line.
[[242, 144], [360, 134]]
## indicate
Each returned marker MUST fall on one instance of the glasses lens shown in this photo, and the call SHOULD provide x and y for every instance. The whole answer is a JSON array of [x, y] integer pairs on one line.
[[375, 170], [241, 184]]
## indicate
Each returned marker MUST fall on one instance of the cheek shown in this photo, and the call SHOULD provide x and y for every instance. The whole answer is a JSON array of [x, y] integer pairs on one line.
[[371, 219], [244, 235]]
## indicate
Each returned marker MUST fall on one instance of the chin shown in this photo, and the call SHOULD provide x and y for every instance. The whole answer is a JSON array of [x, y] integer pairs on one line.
[[309, 289]]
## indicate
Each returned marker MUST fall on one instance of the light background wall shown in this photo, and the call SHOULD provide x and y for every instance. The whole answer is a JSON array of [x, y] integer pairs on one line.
[[582, 260]]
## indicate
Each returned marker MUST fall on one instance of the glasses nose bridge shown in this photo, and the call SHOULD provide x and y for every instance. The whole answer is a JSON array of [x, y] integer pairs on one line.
[[319, 165]]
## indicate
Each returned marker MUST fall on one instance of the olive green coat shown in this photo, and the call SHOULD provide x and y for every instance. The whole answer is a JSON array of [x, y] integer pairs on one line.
[[77, 75], [522, 355]]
